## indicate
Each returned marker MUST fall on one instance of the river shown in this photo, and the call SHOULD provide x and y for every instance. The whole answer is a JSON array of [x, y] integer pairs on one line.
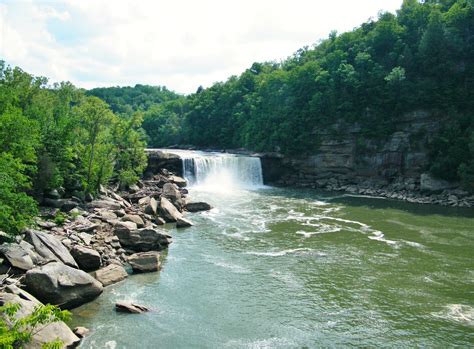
[[290, 268]]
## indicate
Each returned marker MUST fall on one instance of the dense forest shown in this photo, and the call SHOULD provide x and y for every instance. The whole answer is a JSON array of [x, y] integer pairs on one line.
[[421, 58], [57, 137]]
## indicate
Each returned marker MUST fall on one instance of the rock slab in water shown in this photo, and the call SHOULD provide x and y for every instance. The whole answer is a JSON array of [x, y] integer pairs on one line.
[[80, 331], [130, 308], [142, 240], [111, 274], [49, 247], [62, 285], [43, 333], [86, 258], [183, 223], [168, 211], [198, 206], [145, 262]]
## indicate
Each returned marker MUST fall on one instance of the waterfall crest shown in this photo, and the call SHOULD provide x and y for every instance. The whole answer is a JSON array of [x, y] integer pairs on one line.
[[220, 171]]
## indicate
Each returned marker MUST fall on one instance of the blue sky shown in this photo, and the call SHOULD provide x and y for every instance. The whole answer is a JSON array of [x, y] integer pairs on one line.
[[180, 44]]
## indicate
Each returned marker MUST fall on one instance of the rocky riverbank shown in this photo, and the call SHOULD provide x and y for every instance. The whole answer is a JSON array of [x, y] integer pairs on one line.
[[426, 190], [79, 247]]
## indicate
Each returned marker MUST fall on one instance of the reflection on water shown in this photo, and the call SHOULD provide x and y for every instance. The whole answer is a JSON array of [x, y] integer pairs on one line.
[[277, 268]]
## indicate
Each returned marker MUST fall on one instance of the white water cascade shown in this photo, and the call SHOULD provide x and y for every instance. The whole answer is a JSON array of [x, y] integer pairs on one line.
[[220, 171]]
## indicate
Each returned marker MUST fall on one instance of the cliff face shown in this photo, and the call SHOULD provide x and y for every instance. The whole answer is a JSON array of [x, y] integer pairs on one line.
[[346, 156], [395, 166]]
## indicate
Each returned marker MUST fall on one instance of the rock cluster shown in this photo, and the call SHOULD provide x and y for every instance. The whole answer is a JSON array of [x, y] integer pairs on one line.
[[425, 190], [100, 236]]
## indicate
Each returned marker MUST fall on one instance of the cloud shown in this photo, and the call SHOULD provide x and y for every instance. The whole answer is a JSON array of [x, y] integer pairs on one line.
[[180, 44]]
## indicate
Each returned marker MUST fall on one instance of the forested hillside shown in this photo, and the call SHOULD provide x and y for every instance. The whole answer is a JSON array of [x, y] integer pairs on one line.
[[421, 58], [56, 137]]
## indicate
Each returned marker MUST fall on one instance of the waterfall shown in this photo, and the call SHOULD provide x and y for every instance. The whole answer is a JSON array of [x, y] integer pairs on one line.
[[220, 171]]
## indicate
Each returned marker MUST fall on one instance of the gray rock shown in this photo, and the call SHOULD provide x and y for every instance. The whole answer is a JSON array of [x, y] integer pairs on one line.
[[183, 223], [120, 213], [168, 211], [198, 206], [107, 204], [179, 181], [19, 256], [111, 274], [145, 262], [135, 219], [107, 215], [159, 220], [43, 333], [85, 237], [124, 228], [62, 285], [80, 331], [429, 183], [142, 239], [171, 192], [144, 201], [152, 207], [86, 258], [49, 247], [133, 188], [53, 194], [132, 308]]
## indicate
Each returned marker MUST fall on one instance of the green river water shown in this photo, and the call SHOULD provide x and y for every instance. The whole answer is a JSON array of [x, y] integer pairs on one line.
[[281, 268]]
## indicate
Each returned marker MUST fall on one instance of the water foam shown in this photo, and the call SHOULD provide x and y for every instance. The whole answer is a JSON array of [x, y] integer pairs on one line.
[[457, 312]]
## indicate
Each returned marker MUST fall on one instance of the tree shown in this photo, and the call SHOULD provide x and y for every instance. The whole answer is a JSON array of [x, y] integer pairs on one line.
[[94, 117]]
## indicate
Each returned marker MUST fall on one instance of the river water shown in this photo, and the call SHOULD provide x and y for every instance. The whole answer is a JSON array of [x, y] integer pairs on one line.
[[289, 268]]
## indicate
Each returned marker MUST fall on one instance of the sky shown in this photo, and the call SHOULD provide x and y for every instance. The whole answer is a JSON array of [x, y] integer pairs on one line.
[[180, 44]]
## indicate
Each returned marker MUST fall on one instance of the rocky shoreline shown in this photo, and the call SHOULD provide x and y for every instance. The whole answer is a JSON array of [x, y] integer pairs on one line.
[[426, 191], [78, 247], [278, 170]]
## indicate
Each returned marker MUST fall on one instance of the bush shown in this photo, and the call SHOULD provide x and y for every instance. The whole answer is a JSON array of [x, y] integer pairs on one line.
[[16, 332]]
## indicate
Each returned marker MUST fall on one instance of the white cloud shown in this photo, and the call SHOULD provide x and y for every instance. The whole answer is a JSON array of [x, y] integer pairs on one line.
[[180, 44]]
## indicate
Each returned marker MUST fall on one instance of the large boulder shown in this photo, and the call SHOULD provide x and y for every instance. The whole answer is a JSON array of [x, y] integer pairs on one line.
[[20, 256], [135, 219], [126, 307], [86, 258], [62, 285], [171, 192], [197, 206], [105, 204], [111, 274], [121, 228], [183, 223], [49, 247], [145, 261], [142, 240], [429, 183], [179, 181], [43, 333], [168, 211], [152, 207]]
